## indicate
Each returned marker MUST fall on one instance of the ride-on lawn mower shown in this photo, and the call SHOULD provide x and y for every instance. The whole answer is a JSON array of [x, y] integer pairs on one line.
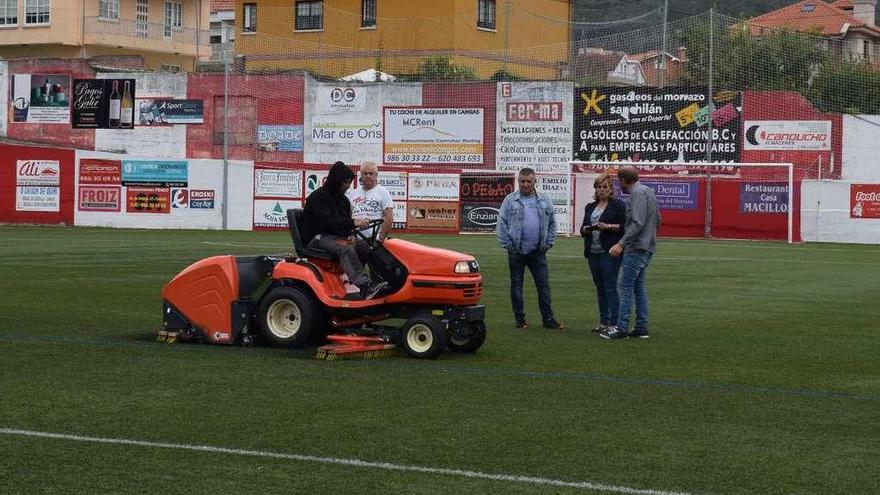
[[298, 299]]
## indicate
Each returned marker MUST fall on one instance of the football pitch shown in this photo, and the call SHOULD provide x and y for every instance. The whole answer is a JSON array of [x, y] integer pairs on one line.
[[762, 375]]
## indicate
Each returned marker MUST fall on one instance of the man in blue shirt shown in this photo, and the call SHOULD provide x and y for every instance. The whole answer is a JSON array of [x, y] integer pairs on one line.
[[527, 230]]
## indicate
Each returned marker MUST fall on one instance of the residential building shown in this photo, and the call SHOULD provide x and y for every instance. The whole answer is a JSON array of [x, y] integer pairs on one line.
[[170, 34], [661, 71], [597, 66], [528, 38], [848, 26], [222, 29]]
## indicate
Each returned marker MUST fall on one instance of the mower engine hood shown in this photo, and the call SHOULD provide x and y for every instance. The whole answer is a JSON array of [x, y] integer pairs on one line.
[[424, 260]]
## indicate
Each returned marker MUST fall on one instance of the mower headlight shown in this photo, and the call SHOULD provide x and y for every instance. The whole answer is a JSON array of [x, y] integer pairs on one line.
[[467, 267]]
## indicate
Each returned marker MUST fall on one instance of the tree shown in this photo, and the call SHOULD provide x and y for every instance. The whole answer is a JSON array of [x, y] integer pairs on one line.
[[445, 69]]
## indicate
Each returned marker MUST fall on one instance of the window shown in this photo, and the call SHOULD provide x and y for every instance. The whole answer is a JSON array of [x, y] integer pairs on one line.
[[143, 17], [173, 17], [36, 12], [368, 13], [486, 14], [310, 15], [8, 12], [108, 9], [216, 39], [866, 50], [249, 14]]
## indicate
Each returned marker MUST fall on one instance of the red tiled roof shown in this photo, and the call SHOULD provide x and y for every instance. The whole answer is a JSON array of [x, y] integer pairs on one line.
[[218, 5], [843, 4], [809, 16]]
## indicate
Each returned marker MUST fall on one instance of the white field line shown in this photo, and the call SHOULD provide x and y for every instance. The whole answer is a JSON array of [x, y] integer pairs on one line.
[[738, 259], [587, 485]]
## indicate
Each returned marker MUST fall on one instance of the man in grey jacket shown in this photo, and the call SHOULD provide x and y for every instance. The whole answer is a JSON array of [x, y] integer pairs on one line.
[[637, 247]]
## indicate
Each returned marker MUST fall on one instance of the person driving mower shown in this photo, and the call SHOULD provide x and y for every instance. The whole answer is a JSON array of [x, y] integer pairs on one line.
[[327, 225]]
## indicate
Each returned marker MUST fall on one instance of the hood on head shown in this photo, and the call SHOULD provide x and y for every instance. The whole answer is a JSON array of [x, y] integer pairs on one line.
[[339, 173]]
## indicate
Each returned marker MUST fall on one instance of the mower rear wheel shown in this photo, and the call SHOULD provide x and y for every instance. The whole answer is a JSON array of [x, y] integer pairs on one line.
[[423, 336], [288, 316], [476, 335]]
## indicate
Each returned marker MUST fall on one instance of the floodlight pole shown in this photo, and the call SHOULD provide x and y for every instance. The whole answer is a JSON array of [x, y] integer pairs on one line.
[[663, 48], [225, 205]]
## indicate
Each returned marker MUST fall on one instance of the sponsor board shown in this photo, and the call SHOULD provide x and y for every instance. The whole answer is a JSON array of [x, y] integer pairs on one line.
[[432, 215], [147, 200], [280, 137], [433, 135], [671, 195], [433, 187], [557, 186], [278, 183], [341, 99], [96, 171], [314, 180], [152, 112], [533, 126], [155, 173], [395, 182], [40, 99], [345, 129], [399, 214], [563, 219], [485, 188], [100, 198], [763, 197], [864, 201], [201, 199], [272, 213], [37, 198], [180, 198], [790, 135], [37, 173], [655, 125], [479, 217], [99, 103]]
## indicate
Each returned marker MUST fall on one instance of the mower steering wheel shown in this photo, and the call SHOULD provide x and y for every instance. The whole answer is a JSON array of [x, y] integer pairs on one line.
[[373, 239]]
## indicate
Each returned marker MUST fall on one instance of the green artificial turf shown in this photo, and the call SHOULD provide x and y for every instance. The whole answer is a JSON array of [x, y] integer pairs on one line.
[[762, 376]]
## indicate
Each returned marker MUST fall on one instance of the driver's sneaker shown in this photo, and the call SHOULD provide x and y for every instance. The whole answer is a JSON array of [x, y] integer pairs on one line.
[[613, 333], [371, 290], [640, 333], [552, 324]]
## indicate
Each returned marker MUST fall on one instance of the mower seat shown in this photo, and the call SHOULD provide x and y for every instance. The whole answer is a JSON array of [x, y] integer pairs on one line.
[[294, 217]]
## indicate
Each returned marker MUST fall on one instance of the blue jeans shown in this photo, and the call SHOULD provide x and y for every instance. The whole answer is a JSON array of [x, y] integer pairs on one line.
[[604, 268], [537, 263], [632, 280]]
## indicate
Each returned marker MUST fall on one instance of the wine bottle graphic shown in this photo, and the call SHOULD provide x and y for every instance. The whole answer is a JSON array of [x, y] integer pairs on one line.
[[115, 101], [126, 110]]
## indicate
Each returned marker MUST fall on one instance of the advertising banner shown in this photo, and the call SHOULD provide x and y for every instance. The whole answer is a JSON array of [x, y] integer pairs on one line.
[[153, 112], [433, 135], [103, 103], [341, 99], [479, 217], [37, 173], [280, 137], [485, 188], [272, 213], [433, 187], [155, 173], [763, 197], [671, 195], [100, 198], [201, 199], [533, 126], [37, 198], [395, 182], [432, 215], [346, 129], [147, 200], [651, 124], [864, 201], [557, 186], [788, 135], [314, 180], [278, 183], [400, 214], [40, 99], [96, 171], [563, 218]]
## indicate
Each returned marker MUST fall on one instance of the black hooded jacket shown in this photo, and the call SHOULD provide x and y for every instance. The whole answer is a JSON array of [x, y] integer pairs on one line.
[[327, 209]]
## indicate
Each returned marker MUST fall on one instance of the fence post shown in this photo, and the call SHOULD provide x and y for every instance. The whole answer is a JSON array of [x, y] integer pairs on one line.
[[711, 91], [663, 48], [225, 208]]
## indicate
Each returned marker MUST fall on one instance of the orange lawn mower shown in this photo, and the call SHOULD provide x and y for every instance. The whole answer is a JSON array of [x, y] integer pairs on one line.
[[303, 298]]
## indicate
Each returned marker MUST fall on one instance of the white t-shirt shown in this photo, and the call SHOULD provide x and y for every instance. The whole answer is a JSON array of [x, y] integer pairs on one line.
[[370, 204]]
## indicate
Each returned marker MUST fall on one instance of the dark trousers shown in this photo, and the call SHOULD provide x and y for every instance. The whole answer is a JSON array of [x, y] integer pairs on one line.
[[349, 256], [537, 263], [604, 268]]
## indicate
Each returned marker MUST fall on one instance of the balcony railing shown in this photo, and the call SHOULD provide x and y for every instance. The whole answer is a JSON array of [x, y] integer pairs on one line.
[[148, 32], [219, 51]]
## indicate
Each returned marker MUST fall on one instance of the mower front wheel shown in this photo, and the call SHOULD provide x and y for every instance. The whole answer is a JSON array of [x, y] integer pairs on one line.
[[288, 316], [423, 337], [471, 341]]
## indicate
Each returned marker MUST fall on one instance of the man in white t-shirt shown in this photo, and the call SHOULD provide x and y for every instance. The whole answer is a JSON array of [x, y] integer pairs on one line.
[[372, 201]]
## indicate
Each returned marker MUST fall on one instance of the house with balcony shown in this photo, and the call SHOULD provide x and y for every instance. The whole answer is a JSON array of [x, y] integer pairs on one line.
[[165, 34], [340, 37], [222, 30]]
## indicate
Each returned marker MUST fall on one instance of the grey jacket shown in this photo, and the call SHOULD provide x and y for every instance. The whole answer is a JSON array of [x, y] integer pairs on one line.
[[642, 219]]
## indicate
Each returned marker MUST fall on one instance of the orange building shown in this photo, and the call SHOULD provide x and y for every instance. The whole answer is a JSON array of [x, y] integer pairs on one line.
[[529, 38]]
